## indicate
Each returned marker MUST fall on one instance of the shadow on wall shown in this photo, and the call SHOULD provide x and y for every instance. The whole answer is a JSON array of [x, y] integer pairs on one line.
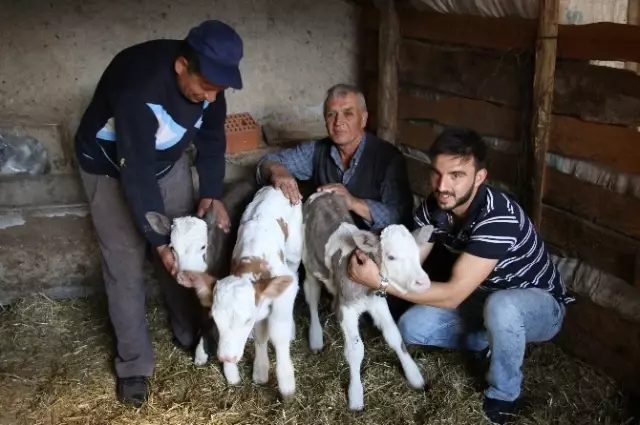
[[294, 51]]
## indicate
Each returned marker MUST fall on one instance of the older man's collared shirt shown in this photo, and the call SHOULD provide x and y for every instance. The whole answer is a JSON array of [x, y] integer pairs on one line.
[[496, 227], [299, 162]]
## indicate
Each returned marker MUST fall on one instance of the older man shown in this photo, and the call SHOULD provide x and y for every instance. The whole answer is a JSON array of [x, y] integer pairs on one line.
[[369, 172], [152, 101]]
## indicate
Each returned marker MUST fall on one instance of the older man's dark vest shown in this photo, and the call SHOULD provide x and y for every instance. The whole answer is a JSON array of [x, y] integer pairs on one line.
[[366, 182]]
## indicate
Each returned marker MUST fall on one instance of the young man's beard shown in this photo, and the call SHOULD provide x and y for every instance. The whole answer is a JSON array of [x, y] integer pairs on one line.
[[462, 200]]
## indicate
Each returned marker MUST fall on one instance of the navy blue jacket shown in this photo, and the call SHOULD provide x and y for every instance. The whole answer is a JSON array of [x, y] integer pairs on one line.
[[138, 125]]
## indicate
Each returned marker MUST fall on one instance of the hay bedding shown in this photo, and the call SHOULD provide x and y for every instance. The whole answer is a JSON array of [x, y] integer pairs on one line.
[[56, 368]]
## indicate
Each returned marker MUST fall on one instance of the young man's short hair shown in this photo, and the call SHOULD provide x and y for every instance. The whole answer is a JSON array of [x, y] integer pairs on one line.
[[460, 142]]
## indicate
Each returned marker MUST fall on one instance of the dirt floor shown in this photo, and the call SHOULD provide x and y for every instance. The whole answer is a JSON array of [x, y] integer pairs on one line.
[[56, 368]]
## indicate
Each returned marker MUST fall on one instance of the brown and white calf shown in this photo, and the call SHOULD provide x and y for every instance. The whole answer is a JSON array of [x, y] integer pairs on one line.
[[330, 238], [199, 245], [259, 293]]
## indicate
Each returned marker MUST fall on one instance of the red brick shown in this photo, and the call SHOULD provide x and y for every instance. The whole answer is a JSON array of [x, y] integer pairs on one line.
[[243, 133]]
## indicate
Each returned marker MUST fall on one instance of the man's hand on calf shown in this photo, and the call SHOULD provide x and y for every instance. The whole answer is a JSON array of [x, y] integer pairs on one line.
[[168, 259], [341, 190], [282, 179]]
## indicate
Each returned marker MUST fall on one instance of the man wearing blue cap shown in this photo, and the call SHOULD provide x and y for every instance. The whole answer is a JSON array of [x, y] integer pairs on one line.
[[152, 101]]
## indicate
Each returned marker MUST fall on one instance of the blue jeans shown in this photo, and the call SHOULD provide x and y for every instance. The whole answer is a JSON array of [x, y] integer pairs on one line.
[[504, 321]]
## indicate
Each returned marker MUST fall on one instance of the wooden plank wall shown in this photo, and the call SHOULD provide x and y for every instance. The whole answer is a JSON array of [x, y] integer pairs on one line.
[[477, 72]]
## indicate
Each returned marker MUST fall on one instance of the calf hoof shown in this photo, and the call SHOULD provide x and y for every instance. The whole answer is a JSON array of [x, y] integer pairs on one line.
[[316, 342], [201, 355], [356, 407], [260, 379], [287, 397], [231, 374], [200, 360], [356, 397], [414, 377], [416, 382], [234, 382]]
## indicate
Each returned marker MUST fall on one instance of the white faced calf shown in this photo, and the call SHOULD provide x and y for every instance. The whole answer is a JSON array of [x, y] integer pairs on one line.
[[330, 239], [199, 245], [260, 292]]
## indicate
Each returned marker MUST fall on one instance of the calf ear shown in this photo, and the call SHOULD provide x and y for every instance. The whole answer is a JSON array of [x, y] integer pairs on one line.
[[366, 241], [159, 223], [192, 279], [273, 287], [203, 283], [423, 234]]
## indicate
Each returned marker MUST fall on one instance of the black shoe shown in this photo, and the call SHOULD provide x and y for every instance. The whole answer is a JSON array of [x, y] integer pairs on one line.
[[498, 411], [133, 390]]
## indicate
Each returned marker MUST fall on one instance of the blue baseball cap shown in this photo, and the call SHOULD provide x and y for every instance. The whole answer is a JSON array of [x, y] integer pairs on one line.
[[220, 49]]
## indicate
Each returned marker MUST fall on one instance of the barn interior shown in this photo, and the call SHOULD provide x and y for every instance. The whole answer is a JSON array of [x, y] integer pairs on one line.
[[552, 85]]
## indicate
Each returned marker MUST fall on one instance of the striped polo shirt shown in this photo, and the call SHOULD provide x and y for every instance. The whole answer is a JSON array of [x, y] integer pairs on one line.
[[496, 227]]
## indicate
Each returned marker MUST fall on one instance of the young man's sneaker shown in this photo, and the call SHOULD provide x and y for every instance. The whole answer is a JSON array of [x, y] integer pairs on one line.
[[133, 390], [498, 411]]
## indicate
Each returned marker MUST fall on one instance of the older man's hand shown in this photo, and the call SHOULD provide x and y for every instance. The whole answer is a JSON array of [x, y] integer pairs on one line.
[[168, 259], [282, 179], [340, 189], [222, 218]]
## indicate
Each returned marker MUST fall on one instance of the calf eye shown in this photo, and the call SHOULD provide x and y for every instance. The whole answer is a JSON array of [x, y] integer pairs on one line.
[[391, 257], [203, 247]]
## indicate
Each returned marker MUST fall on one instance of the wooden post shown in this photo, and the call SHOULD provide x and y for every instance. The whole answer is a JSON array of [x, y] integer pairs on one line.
[[388, 46], [633, 18], [543, 86]]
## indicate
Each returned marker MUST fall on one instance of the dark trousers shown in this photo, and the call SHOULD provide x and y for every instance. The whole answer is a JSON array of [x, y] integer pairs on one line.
[[124, 250]]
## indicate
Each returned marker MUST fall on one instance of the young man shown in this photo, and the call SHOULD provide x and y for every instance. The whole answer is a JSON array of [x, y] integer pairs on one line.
[[152, 101], [503, 290], [369, 172]]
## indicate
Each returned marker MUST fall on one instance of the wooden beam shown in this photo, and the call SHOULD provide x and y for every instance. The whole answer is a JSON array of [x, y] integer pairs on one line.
[[543, 85], [476, 74], [389, 41], [595, 203], [502, 167], [604, 249], [605, 41], [492, 33], [593, 93], [418, 173], [599, 94], [614, 146], [484, 117], [633, 18], [603, 338]]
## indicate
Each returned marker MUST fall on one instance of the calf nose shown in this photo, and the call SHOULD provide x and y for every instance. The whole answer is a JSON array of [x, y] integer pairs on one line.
[[424, 282]]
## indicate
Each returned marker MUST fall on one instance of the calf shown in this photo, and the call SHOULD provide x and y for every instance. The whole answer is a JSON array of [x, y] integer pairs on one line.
[[200, 245], [330, 238], [259, 293]]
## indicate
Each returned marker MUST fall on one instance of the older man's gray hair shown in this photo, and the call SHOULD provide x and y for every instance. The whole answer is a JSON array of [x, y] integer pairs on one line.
[[342, 90]]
